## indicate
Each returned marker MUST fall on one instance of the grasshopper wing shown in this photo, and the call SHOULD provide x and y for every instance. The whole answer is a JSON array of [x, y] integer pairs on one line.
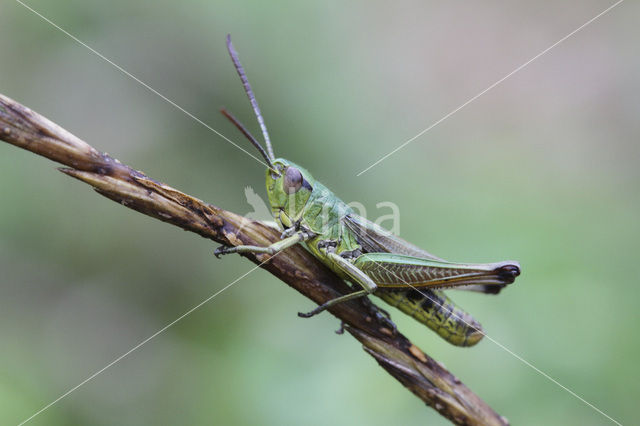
[[390, 270], [375, 239]]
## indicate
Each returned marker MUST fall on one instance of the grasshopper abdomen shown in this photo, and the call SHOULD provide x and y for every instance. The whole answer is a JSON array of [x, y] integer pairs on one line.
[[435, 310]]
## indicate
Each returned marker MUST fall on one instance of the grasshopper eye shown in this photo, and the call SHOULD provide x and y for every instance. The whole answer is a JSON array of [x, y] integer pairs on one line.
[[292, 180]]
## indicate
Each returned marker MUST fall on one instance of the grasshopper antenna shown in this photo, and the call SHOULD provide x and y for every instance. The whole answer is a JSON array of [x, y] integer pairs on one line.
[[249, 136], [252, 98]]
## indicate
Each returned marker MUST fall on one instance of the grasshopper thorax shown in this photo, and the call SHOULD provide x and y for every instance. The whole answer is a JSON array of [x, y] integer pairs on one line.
[[289, 190]]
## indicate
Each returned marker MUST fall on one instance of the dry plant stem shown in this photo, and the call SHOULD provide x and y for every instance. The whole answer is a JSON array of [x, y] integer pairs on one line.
[[419, 373]]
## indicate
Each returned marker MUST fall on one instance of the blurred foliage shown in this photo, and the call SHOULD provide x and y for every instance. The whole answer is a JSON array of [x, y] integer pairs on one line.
[[542, 169]]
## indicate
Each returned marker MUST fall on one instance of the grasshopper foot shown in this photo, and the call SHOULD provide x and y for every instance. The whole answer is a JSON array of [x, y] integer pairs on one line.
[[308, 314], [341, 329], [316, 311], [222, 250]]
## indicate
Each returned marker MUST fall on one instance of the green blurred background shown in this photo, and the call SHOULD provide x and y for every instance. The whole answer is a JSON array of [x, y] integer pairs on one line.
[[542, 169]]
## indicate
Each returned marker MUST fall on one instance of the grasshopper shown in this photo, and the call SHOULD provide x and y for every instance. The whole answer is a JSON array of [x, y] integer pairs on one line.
[[375, 261]]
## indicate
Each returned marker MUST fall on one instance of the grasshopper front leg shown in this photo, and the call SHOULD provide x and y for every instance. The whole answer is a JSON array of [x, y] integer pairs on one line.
[[272, 249]]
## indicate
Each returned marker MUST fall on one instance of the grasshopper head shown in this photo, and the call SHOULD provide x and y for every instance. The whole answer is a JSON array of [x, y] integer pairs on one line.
[[288, 190], [287, 184]]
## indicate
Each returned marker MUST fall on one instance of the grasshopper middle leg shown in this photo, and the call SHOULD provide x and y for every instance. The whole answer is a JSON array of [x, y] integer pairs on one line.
[[356, 275]]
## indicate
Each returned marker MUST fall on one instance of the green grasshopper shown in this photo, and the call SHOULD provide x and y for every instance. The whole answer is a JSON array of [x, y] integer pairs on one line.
[[372, 259]]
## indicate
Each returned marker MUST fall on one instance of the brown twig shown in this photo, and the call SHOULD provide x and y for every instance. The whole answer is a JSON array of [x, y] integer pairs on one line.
[[419, 373]]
